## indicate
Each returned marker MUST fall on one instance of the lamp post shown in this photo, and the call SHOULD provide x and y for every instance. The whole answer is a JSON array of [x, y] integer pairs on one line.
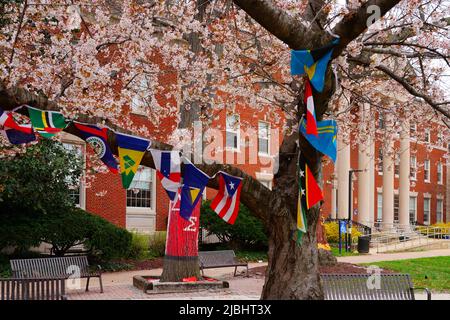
[[348, 236]]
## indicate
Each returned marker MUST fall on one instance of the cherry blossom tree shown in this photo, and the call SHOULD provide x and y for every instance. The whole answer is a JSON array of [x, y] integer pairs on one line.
[[90, 60]]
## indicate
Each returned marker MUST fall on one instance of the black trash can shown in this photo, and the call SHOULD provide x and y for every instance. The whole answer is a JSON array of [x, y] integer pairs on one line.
[[363, 244]]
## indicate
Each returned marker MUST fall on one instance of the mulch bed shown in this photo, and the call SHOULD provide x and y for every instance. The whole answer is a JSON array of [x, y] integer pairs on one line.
[[145, 264], [340, 267]]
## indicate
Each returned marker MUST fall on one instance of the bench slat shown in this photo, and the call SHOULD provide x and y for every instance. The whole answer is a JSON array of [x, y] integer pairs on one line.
[[355, 287]]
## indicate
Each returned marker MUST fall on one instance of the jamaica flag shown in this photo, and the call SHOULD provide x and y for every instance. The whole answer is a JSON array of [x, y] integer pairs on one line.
[[131, 151], [313, 63], [309, 194], [46, 123]]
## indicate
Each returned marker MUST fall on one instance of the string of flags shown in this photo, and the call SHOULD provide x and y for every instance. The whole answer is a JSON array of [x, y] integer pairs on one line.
[[189, 186], [320, 134]]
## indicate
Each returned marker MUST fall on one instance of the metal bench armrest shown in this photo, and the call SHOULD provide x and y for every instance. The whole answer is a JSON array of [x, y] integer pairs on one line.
[[426, 290]]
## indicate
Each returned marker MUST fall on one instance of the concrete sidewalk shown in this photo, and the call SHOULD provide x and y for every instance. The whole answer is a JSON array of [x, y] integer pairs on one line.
[[369, 258]]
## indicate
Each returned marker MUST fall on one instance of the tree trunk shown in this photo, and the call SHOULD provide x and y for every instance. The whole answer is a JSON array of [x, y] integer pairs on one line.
[[175, 269], [181, 257], [292, 271]]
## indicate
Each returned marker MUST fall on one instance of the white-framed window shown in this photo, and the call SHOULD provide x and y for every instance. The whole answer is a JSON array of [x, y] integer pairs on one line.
[[440, 138], [439, 172], [426, 170], [233, 132], [140, 194], [426, 210], [439, 210], [76, 191], [412, 209], [380, 160], [412, 129], [381, 123], [263, 138], [427, 136], [397, 166], [396, 206], [413, 168], [141, 97], [379, 206]]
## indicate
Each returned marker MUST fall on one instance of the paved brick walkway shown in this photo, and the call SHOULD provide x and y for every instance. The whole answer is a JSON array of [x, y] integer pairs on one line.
[[119, 285], [368, 258]]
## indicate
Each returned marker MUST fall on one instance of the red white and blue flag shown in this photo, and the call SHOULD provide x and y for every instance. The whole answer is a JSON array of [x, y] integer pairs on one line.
[[14, 132], [7, 121], [311, 122], [97, 138], [24, 135], [168, 170], [226, 202]]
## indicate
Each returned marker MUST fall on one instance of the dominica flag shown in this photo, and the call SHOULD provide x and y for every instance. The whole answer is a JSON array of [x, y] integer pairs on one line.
[[97, 138], [309, 194], [131, 150], [313, 63], [168, 170], [46, 123], [311, 122], [194, 182], [326, 141]]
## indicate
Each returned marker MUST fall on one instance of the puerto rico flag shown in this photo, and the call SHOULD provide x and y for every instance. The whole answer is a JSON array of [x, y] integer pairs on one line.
[[311, 122], [226, 202], [168, 170], [98, 139]]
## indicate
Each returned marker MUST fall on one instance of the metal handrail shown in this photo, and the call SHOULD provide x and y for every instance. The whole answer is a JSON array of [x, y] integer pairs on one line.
[[408, 234]]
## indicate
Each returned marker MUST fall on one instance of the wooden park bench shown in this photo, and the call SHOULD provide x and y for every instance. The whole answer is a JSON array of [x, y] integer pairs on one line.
[[56, 267], [219, 259], [32, 289], [355, 287]]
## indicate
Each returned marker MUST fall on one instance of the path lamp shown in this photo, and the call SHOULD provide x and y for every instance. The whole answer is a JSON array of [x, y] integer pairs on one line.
[[348, 236]]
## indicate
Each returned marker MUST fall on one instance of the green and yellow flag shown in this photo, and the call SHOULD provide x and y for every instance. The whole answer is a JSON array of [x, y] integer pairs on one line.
[[131, 151], [47, 123]]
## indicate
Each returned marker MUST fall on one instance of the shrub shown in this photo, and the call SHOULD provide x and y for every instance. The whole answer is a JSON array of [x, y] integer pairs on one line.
[[332, 232], [157, 244], [106, 240], [247, 231], [63, 231], [139, 246]]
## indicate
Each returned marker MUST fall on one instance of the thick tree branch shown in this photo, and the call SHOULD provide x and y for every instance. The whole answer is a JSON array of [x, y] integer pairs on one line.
[[438, 106], [356, 22], [254, 195]]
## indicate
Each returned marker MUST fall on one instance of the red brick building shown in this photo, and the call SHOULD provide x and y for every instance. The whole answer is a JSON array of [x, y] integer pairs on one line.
[[254, 152]]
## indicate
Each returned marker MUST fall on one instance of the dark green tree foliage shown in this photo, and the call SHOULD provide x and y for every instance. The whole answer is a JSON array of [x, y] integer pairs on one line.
[[39, 180], [36, 206], [247, 232]]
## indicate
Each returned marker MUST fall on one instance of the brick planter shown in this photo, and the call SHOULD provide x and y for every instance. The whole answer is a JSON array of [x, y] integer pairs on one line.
[[151, 284]]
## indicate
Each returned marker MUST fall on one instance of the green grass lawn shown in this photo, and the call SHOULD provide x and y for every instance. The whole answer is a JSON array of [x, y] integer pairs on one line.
[[251, 256], [432, 273], [335, 252]]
